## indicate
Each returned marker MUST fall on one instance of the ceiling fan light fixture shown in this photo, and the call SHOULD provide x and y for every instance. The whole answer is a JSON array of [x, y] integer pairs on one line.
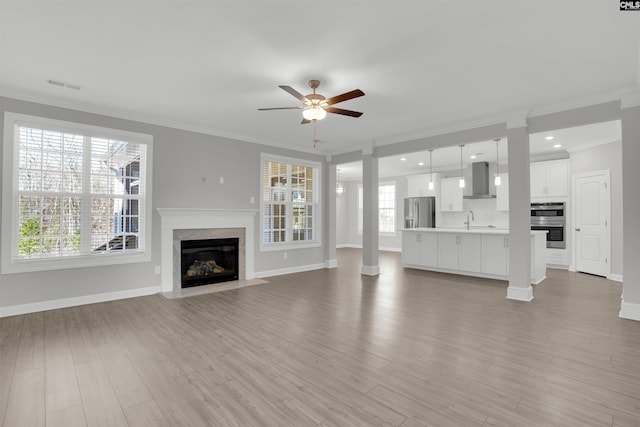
[[314, 112]]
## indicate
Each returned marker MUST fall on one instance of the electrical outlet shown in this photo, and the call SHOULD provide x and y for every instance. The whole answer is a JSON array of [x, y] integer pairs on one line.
[[285, 255], [252, 200], [222, 180], [157, 269]]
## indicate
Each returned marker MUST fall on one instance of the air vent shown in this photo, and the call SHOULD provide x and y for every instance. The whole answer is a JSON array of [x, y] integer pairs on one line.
[[63, 84]]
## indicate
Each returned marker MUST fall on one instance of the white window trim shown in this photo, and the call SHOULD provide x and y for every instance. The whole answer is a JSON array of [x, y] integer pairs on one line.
[[10, 231], [317, 218], [361, 210]]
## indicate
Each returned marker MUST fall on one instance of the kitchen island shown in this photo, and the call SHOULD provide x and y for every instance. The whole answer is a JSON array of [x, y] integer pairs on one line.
[[477, 251]]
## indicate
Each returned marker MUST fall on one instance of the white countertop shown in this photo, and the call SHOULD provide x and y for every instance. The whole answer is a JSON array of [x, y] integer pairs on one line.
[[472, 230]]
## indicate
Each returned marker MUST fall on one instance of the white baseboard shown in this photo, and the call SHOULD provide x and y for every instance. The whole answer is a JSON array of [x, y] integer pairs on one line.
[[370, 270], [348, 245], [520, 294], [615, 277], [331, 263], [289, 270], [629, 311], [15, 310]]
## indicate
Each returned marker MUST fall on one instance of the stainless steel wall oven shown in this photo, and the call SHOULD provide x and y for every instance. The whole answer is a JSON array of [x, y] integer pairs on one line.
[[550, 216]]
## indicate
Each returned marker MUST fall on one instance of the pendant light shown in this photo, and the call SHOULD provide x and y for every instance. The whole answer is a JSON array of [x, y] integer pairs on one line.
[[461, 183], [497, 181], [430, 169], [339, 187]]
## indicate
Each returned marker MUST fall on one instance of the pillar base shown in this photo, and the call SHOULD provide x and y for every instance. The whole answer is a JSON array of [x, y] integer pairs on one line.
[[370, 270], [520, 294], [629, 311]]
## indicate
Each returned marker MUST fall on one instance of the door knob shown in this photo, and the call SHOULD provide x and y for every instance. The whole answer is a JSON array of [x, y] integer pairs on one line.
[[577, 229]]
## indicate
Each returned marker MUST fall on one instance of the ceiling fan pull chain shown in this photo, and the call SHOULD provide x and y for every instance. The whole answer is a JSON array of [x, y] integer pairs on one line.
[[315, 140]]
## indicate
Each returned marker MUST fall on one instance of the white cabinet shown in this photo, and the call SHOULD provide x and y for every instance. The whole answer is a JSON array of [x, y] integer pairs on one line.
[[502, 193], [471, 253], [418, 185], [419, 249], [550, 179], [450, 195], [460, 252], [497, 250]]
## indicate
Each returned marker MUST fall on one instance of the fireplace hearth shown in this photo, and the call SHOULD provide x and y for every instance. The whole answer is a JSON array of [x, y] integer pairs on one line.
[[208, 261]]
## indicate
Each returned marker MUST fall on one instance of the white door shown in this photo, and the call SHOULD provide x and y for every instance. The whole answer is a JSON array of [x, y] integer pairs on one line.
[[592, 223]]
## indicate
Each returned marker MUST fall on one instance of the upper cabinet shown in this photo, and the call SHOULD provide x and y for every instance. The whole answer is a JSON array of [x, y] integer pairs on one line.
[[550, 179], [418, 185], [450, 195]]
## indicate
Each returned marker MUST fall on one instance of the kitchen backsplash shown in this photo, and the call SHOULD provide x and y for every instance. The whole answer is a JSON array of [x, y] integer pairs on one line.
[[484, 211]]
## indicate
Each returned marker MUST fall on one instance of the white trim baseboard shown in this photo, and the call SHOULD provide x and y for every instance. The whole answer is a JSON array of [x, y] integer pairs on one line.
[[629, 311], [615, 277], [289, 270], [15, 310], [520, 294], [380, 248]]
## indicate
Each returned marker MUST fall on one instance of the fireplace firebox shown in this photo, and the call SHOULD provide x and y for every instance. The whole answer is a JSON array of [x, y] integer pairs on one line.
[[208, 261]]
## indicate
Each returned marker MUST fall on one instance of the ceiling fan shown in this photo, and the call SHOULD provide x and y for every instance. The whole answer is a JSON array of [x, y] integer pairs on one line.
[[315, 106]]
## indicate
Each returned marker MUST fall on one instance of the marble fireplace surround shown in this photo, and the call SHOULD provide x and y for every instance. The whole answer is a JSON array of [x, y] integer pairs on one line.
[[178, 224]]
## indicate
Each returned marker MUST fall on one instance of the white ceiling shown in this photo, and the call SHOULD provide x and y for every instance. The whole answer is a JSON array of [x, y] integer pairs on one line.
[[209, 65]]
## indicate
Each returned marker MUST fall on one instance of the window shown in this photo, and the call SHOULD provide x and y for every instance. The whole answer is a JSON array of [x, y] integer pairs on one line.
[[290, 213], [386, 208], [74, 195]]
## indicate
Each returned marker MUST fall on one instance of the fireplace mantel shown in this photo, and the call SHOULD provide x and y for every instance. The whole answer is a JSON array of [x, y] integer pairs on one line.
[[182, 218]]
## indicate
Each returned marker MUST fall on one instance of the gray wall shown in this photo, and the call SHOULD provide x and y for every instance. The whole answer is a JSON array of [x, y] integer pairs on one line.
[[602, 157], [181, 160]]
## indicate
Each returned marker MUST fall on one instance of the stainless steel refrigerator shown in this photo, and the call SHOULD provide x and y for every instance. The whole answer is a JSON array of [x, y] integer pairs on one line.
[[419, 212]]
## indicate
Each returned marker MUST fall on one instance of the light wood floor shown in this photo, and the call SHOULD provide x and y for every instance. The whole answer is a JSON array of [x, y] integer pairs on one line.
[[331, 348]]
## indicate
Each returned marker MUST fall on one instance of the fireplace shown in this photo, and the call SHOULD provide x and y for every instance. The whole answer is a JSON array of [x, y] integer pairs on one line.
[[207, 261]]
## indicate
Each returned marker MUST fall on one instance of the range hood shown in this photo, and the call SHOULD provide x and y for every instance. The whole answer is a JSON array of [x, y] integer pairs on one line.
[[480, 181]]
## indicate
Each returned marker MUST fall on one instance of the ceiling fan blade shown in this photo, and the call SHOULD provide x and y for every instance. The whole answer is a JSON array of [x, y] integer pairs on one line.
[[344, 97], [293, 92], [305, 121], [343, 112], [280, 108]]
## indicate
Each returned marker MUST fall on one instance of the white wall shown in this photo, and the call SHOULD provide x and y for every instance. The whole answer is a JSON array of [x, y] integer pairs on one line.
[[603, 157], [181, 160]]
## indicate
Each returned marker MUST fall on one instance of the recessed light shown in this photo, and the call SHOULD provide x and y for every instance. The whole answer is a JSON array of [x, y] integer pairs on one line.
[[557, 146], [548, 138], [403, 159], [473, 156], [421, 164]]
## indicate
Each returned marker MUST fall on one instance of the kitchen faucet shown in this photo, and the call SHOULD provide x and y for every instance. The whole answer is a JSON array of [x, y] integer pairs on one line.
[[472, 218]]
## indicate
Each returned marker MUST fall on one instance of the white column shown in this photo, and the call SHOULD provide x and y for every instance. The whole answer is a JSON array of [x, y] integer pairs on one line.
[[330, 260], [519, 215], [370, 265], [630, 308]]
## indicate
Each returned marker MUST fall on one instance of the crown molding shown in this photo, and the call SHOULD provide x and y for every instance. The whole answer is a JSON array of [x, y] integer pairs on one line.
[[631, 99], [146, 119]]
